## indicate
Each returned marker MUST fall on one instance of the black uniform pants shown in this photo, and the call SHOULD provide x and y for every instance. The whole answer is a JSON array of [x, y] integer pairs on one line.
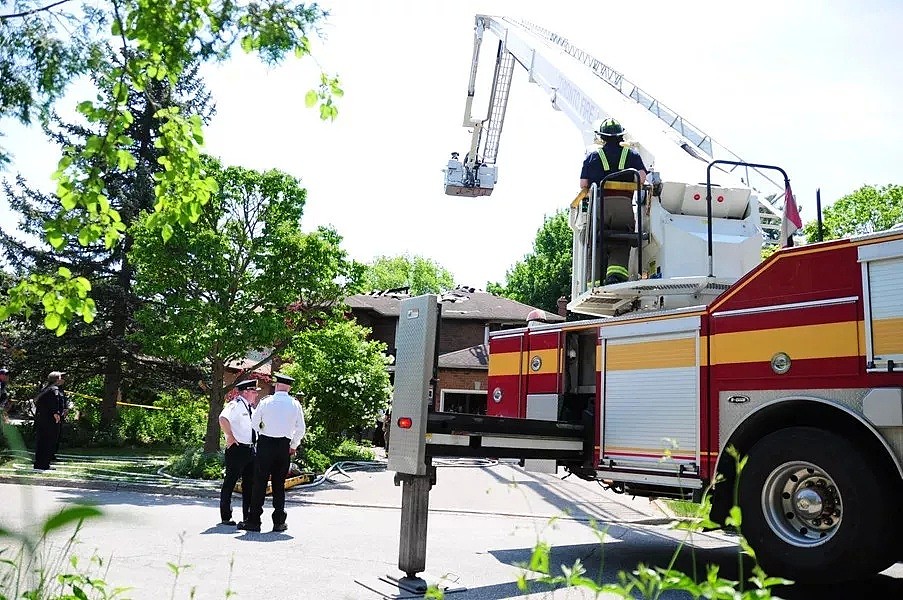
[[56, 441], [272, 463], [239, 463], [45, 440]]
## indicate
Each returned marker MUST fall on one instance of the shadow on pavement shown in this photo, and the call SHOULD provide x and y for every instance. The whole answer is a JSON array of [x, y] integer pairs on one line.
[[582, 507], [133, 498], [264, 536]]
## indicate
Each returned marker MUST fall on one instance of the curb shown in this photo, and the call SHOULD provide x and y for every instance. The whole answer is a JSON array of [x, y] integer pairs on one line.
[[111, 486]]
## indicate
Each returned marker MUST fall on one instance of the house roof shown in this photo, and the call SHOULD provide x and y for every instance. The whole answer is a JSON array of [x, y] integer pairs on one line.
[[459, 303], [243, 364], [475, 357]]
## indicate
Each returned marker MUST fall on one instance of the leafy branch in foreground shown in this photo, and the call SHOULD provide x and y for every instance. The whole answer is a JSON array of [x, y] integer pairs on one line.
[[651, 582], [155, 42]]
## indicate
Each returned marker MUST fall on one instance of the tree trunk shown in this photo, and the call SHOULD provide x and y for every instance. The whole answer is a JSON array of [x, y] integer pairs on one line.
[[112, 377], [112, 385], [211, 439]]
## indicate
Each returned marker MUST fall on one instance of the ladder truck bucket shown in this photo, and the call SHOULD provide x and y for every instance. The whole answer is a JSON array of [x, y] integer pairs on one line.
[[461, 181]]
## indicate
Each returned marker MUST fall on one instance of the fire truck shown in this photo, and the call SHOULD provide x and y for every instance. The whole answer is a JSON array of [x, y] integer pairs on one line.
[[794, 362]]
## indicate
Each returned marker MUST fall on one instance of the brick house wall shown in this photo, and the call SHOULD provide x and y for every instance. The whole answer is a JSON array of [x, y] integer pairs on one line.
[[457, 334], [462, 379]]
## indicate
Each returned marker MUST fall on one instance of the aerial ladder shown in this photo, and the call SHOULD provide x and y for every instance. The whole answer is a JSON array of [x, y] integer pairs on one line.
[[674, 261]]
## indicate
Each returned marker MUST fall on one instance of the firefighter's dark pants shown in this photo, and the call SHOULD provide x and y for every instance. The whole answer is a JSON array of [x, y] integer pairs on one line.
[[617, 216]]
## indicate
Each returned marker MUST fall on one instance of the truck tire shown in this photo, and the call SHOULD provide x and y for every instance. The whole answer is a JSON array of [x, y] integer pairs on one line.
[[817, 508]]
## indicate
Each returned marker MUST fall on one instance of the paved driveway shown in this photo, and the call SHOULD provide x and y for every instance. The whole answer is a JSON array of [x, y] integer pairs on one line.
[[343, 537]]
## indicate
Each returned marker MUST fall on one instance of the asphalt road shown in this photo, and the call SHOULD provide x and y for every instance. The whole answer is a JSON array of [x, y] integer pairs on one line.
[[342, 540]]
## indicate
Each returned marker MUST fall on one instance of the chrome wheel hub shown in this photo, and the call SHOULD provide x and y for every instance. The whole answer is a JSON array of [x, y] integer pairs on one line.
[[802, 504]]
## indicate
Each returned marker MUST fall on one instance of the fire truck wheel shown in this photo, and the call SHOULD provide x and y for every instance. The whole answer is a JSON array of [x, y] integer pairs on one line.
[[814, 507]]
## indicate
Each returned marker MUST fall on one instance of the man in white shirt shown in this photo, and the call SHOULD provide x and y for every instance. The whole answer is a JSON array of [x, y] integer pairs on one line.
[[235, 421], [279, 421]]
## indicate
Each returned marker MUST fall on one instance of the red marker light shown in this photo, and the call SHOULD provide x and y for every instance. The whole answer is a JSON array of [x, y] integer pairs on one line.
[[720, 198], [696, 196], [405, 422]]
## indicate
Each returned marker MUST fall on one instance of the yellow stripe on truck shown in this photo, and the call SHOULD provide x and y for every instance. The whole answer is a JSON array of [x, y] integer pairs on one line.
[[549, 362], [661, 354], [808, 341], [504, 363], [887, 336]]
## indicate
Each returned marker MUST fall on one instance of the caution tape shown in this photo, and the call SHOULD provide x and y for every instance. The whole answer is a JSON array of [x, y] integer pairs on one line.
[[117, 403]]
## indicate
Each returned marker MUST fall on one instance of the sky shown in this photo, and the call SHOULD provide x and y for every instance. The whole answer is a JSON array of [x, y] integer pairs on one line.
[[811, 86]]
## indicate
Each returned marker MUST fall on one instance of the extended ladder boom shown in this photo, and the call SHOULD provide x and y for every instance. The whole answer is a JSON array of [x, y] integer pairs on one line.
[[665, 140]]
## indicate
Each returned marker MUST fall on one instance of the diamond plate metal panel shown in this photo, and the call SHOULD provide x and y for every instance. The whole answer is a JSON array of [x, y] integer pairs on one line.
[[415, 341]]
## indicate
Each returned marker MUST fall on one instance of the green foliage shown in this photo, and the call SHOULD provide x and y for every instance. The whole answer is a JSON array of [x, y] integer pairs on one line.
[[32, 567], [155, 42], [769, 250], [866, 210], [180, 423], [61, 296], [40, 56], [320, 450], [243, 277], [421, 275], [652, 582], [349, 450], [543, 276], [343, 376], [194, 463]]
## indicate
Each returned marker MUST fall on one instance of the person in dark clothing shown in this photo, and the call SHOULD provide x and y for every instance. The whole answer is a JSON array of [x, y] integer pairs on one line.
[[47, 419], [617, 204], [235, 421], [4, 393], [379, 432], [64, 407]]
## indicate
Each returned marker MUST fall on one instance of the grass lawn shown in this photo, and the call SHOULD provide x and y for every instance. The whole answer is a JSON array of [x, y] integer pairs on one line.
[[684, 508]]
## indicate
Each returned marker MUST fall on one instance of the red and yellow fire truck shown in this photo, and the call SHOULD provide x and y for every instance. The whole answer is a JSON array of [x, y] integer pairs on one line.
[[707, 358], [799, 366]]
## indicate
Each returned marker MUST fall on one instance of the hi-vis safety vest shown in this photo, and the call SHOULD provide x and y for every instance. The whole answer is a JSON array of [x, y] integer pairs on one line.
[[621, 163]]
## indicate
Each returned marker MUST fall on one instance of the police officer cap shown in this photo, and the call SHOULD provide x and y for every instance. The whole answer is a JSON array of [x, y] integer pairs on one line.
[[56, 374], [247, 384], [283, 378], [3, 370]]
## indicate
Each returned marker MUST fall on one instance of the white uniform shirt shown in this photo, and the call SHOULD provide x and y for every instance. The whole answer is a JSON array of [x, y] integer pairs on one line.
[[238, 412], [280, 415]]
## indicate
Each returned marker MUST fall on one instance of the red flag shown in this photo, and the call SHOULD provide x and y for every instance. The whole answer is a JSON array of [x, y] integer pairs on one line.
[[791, 222]]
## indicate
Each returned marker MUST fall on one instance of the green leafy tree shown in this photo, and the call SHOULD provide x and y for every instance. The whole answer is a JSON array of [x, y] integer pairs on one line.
[[44, 47], [544, 275], [83, 348], [420, 274], [244, 277], [866, 210], [343, 376], [153, 42]]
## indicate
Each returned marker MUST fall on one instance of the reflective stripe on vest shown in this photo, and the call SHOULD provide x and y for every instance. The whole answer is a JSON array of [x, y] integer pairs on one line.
[[621, 163]]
